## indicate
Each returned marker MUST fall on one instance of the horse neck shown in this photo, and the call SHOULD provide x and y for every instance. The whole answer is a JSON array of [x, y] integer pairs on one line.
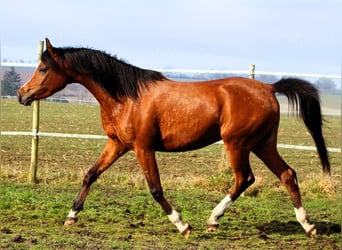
[[97, 91]]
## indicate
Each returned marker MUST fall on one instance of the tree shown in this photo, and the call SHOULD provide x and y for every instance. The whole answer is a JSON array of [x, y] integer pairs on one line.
[[10, 83], [325, 84]]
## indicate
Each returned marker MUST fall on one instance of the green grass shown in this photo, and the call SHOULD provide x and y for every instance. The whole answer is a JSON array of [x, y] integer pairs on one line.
[[122, 217], [120, 213]]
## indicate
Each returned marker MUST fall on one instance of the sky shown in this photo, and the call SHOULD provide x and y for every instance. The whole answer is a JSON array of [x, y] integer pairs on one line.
[[300, 36]]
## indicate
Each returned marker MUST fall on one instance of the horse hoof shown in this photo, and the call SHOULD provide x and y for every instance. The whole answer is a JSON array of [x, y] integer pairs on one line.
[[311, 233], [70, 221], [212, 228], [187, 231]]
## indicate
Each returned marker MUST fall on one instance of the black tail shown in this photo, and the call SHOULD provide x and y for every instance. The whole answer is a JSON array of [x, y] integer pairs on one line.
[[305, 99]]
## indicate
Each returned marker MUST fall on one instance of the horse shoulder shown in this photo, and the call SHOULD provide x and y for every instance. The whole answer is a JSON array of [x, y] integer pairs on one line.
[[117, 121]]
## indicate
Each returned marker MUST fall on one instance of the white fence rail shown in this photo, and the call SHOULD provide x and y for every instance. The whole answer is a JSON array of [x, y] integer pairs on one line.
[[87, 136]]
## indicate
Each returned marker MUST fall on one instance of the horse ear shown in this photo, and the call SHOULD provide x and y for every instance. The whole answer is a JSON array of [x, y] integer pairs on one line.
[[51, 50], [49, 46]]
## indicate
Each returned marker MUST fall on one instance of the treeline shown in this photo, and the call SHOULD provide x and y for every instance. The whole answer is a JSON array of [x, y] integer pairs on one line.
[[323, 84]]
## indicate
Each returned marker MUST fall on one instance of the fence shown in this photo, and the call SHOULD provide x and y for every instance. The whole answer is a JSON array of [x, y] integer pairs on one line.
[[251, 72]]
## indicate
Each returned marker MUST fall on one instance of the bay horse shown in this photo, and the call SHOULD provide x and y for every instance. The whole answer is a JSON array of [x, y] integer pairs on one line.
[[144, 111]]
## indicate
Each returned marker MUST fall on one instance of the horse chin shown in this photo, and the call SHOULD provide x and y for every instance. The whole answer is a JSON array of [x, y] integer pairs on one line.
[[27, 103]]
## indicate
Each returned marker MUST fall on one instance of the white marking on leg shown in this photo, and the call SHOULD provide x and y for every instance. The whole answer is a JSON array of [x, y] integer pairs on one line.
[[72, 214], [219, 210], [302, 218], [176, 218]]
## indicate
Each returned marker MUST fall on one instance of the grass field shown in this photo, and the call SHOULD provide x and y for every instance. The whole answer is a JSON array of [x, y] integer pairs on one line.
[[120, 212]]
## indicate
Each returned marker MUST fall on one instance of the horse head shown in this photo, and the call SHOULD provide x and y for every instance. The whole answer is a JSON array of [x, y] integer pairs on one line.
[[48, 78]]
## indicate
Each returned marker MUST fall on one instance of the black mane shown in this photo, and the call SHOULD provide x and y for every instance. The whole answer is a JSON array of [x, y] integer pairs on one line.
[[118, 78]]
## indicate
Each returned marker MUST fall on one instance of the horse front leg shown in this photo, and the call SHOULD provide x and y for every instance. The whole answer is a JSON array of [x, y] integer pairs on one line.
[[149, 166], [112, 151]]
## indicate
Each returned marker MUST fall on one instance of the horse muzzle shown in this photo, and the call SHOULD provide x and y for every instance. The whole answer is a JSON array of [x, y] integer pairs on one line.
[[25, 98]]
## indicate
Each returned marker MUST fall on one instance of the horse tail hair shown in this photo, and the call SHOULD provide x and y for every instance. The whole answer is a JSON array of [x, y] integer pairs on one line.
[[304, 98]]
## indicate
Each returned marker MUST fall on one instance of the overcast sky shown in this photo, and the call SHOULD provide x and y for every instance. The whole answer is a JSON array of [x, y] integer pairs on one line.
[[303, 36]]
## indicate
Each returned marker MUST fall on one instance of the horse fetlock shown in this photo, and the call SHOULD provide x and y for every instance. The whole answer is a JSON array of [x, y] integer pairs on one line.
[[176, 219], [187, 231], [218, 212], [312, 232], [71, 218], [302, 218]]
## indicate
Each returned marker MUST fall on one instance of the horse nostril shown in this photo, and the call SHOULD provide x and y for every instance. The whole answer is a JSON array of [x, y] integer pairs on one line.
[[19, 96], [24, 99]]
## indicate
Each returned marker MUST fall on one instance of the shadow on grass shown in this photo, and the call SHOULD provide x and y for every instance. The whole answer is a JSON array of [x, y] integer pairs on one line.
[[293, 227]]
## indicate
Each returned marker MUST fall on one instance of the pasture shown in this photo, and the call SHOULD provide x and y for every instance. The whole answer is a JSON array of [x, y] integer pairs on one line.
[[120, 213]]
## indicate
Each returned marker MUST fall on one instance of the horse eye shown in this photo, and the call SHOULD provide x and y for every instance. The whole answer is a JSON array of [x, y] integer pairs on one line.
[[42, 70]]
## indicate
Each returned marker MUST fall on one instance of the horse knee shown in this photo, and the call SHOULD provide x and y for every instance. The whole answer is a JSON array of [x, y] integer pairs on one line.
[[157, 194]]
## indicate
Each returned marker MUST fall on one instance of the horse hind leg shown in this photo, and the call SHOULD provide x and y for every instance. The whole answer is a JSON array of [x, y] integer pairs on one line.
[[268, 153], [244, 177]]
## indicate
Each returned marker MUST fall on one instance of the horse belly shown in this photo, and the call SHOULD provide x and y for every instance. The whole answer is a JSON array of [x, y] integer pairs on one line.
[[189, 137], [188, 116]]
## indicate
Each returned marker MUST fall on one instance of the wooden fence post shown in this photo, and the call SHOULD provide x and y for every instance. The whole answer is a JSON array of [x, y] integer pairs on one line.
[[32, 178], [252, 69]]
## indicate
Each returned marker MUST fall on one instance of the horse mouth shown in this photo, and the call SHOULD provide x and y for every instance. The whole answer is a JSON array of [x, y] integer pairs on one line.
[[26, 101]]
